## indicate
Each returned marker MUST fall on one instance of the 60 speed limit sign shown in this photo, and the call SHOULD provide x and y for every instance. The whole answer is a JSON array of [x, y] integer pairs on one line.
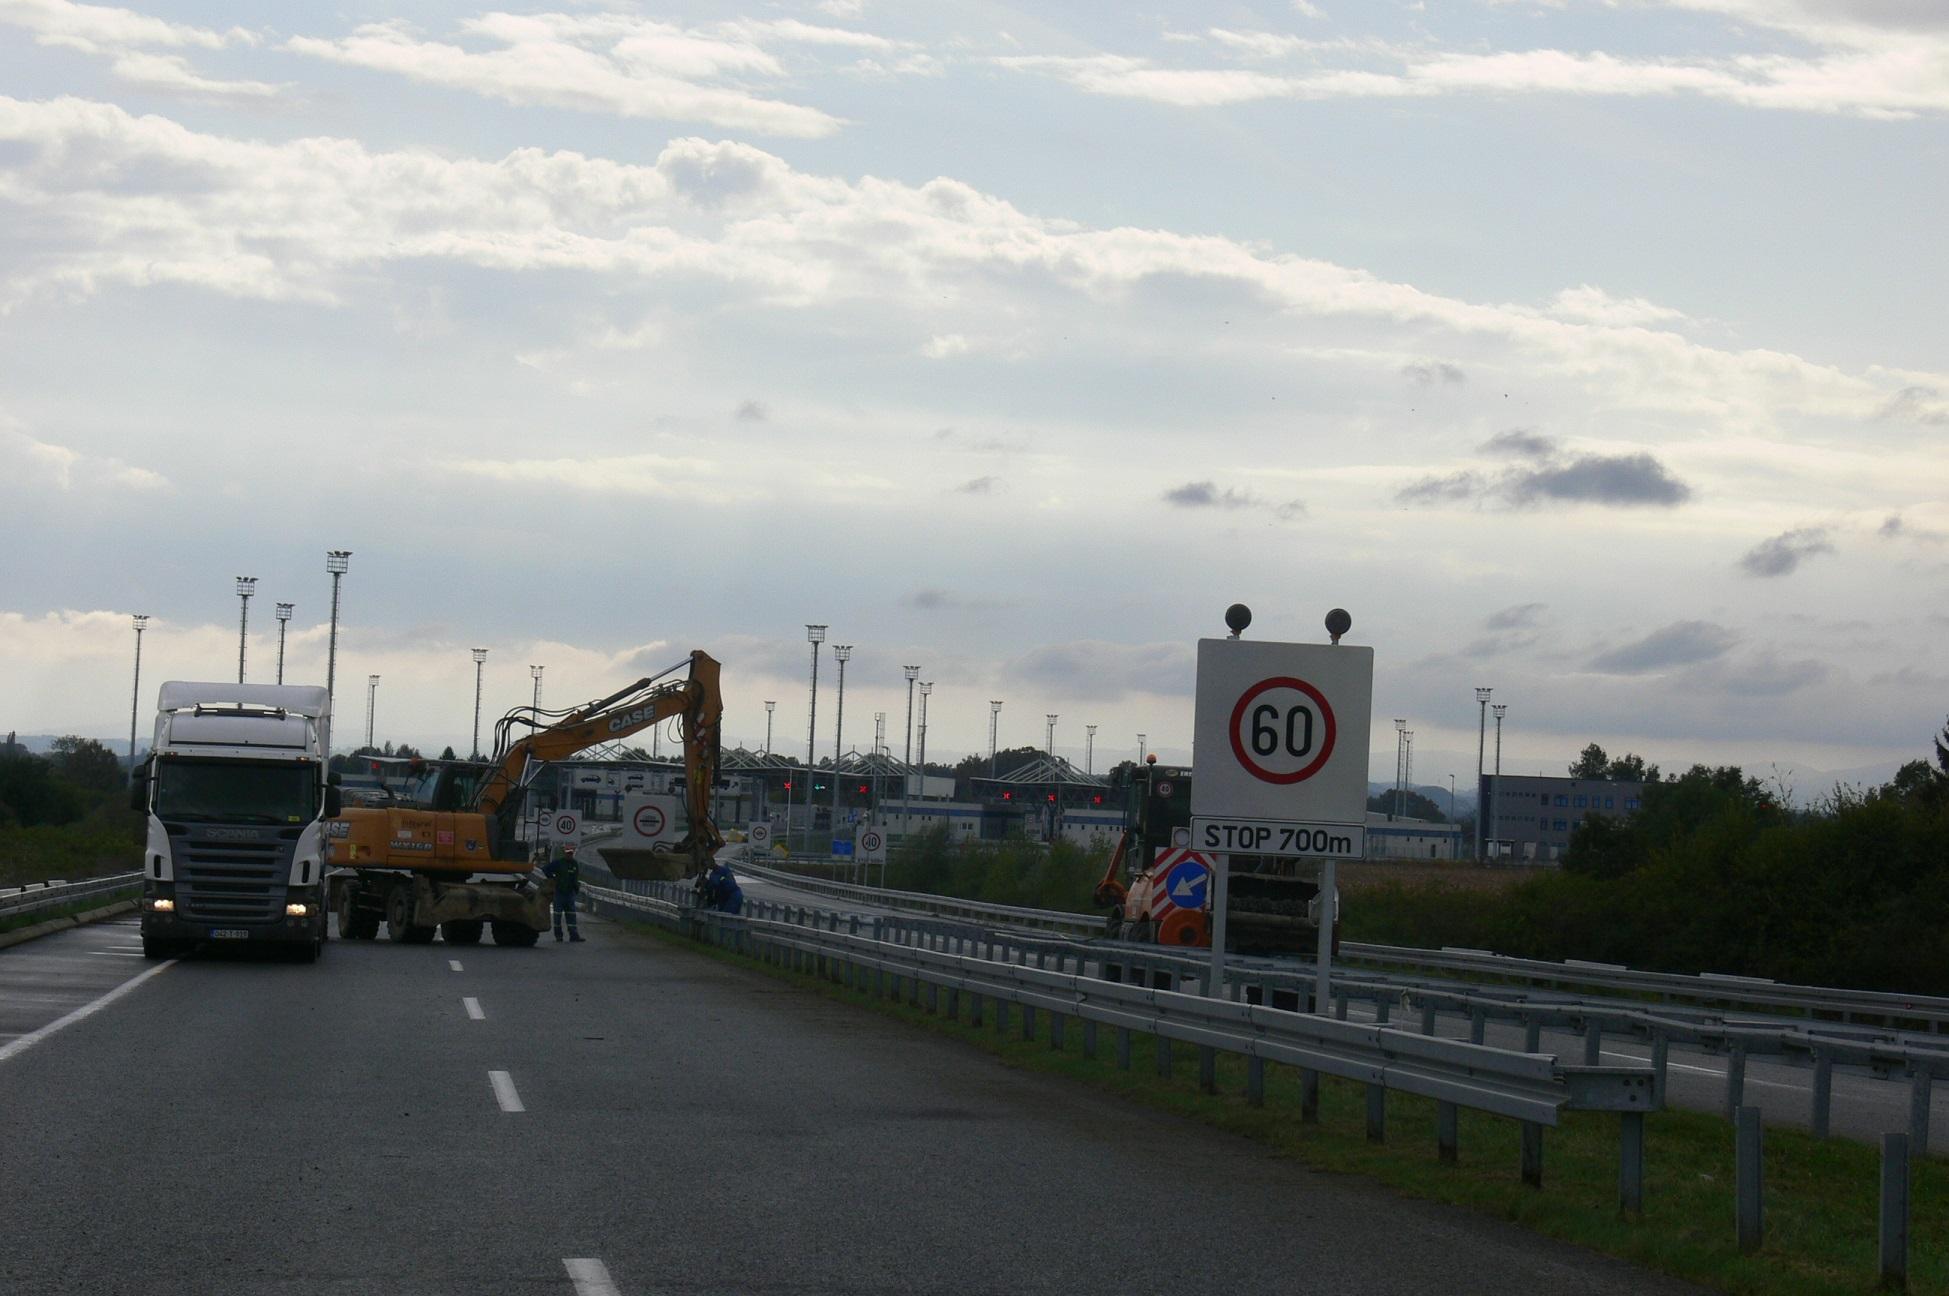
[[1281, 734]]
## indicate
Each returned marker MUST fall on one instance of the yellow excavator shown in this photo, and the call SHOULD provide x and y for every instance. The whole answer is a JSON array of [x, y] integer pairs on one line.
[[444, 853]]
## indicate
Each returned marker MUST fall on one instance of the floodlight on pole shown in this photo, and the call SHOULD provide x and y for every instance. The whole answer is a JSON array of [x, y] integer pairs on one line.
[[336, 560], [1089, 749], [534, 673], [1498, 710], [912, 673], [1400, 728], [769, 708], [246, 586], [994, 723], [1481, 741], [841, 653], [1142, 751], [1494, 834], [1049, 736], [141, 622], [480, 660], [283, 621], [814, 635], [371, 699]]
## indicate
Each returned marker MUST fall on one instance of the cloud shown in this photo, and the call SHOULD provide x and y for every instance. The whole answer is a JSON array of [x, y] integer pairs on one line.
[[1923, 405], [1593, 305], [1609, 480], [944, 345], [1783, 554], [171, 73], [1522, 443], [1429, 373], [1520, 616], [45, 464], [941, 600], [651, 475], [1681, 643], [1206, 495], [752, 411], [1765, 674], [979, 486], [604, 62], [1092, 670], [128, 39], [1895, 527]]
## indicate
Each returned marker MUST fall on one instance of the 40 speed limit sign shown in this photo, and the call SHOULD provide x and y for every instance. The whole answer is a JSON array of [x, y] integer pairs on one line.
[[1281, 733]]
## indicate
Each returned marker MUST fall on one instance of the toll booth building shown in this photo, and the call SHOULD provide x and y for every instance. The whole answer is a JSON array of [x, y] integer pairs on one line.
[[1400, 838], [1050, 799], [1530, 817]]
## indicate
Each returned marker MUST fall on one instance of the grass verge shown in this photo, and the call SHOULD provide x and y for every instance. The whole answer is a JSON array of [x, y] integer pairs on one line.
[[14, 922], [1820, 1195]]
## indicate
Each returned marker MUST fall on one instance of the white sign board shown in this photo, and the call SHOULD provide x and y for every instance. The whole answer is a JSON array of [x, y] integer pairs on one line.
[[1282, 732], [758, 833], [872, 845], [564, 827], [648, 820]]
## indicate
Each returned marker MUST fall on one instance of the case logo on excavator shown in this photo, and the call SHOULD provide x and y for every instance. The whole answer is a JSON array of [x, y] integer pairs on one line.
[[637, 716]]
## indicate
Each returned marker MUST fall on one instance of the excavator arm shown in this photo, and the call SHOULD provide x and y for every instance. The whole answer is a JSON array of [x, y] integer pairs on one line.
[[695, 701]]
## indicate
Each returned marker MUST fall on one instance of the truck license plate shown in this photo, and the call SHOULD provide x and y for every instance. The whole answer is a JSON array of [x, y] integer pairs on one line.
[[228, 933]]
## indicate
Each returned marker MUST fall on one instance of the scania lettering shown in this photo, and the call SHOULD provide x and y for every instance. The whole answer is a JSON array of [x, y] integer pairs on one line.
[[237, 797]]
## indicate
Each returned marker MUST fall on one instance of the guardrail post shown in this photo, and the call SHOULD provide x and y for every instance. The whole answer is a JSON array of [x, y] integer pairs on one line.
[[1164, 1059], [1661, 1048], [1376, 1113], [1894, 1211], [1532, 1036], [933, 997], [1735, 1080], [1340, 1007], [1089, 1039], [1383, 1009], [1309, 1097], [1123, 1048], [1056, 1032], [1593, 1042], [1630, 1164], [954, 1003], [1532, 1154], [1028, 1021], [1207, 1068], [1427, 1019], [1255, 1081], [1447, 1140], [1749, 1151], [1478, 1025], [1823, 1093], [1001, 1016], [1921, 1087]]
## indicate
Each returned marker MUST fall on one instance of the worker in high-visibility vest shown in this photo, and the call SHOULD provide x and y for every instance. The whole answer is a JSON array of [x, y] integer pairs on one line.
[[568, 884]]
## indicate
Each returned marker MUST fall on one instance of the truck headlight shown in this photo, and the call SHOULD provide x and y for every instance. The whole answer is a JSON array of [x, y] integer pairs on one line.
[[295, 910], [162, 904]]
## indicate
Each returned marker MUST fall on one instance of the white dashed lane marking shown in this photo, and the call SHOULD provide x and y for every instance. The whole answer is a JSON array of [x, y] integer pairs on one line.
[[504, 1093]]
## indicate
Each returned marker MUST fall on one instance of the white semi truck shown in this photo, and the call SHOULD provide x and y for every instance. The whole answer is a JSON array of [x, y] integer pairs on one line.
[[237, 793]]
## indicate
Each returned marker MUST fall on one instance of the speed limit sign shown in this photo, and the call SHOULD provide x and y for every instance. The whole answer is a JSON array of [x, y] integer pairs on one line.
[[565, 826], [1281, 732]]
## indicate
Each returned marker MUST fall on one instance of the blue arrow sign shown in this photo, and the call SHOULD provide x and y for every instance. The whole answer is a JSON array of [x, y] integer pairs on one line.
[[1186, 883]]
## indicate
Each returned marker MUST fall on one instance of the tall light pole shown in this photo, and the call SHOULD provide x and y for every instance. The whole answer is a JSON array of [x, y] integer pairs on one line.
[[1142, 750], [1481, 740], [1400, 746], [994, 723], [1089, 749], [841, 653], [371, 698], [769, 708], [814, 635], [1498, 710], [926, 688], [1049, 735], [283, 621], [480, 660], [1495, 794], [135, 696], [534, 673], [335, 563], [246, 586], [912, 673]]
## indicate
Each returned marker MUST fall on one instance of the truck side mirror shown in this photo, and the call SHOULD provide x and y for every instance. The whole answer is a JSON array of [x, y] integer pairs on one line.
[[334, 802], [138, 791]]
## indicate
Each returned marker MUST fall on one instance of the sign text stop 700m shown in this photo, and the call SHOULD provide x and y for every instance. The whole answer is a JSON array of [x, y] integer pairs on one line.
[[1279, 837]]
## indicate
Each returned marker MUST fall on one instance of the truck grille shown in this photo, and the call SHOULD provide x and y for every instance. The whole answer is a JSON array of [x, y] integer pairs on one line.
[[232, 880]]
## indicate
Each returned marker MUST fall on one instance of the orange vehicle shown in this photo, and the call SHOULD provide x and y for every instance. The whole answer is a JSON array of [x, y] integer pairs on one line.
[[1158, 891], [446, 854]]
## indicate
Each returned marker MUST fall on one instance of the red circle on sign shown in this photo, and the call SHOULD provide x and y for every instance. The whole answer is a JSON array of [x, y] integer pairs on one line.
[[566, 825], [649, 821], [871, 841], [1305, 771]]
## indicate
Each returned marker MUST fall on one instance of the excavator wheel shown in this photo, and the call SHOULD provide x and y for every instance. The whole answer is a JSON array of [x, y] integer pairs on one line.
[[462, 931], [516, 934], [399, 919]]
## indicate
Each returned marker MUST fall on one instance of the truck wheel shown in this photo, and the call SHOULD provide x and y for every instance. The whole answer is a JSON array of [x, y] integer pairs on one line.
[[462, 931], [515, 934]]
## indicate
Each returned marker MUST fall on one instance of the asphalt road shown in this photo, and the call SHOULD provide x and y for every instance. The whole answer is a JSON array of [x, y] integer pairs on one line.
[[1863, 1106], [631, 1116]]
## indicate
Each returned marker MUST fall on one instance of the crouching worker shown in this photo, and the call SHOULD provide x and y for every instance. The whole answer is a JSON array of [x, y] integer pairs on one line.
[[721, 890], [568, 884]]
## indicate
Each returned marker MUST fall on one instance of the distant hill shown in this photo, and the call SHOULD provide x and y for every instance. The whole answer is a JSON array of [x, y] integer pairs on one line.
[[1464, 798]]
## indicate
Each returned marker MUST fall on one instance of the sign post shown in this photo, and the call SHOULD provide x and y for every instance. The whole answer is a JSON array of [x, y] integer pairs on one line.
[[1281, 732]]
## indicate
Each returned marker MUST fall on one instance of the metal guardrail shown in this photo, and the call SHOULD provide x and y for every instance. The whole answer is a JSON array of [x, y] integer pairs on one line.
[[1529, 1088], [37, 897]]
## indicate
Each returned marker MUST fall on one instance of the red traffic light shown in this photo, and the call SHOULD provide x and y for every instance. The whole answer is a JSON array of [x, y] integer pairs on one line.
[[788, 785], [1096, 800], [862, 789], [1052, 796], [1008, 796]]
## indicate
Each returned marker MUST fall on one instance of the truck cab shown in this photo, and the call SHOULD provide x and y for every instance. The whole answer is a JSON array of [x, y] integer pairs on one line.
[[236, 793]]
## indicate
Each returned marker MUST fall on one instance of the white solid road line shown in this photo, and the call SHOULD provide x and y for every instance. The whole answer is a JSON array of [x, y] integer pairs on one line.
[[454, 964], [472, 1006], [31, 1038], [504, 1093], [116, 953], [591, 1278]]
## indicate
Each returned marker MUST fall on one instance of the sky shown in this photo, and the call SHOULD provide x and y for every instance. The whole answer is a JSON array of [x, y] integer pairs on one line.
[[1587, 350]]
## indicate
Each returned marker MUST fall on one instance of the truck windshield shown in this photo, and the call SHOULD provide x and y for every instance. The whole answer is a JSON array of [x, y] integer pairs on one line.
[[236, 791]]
